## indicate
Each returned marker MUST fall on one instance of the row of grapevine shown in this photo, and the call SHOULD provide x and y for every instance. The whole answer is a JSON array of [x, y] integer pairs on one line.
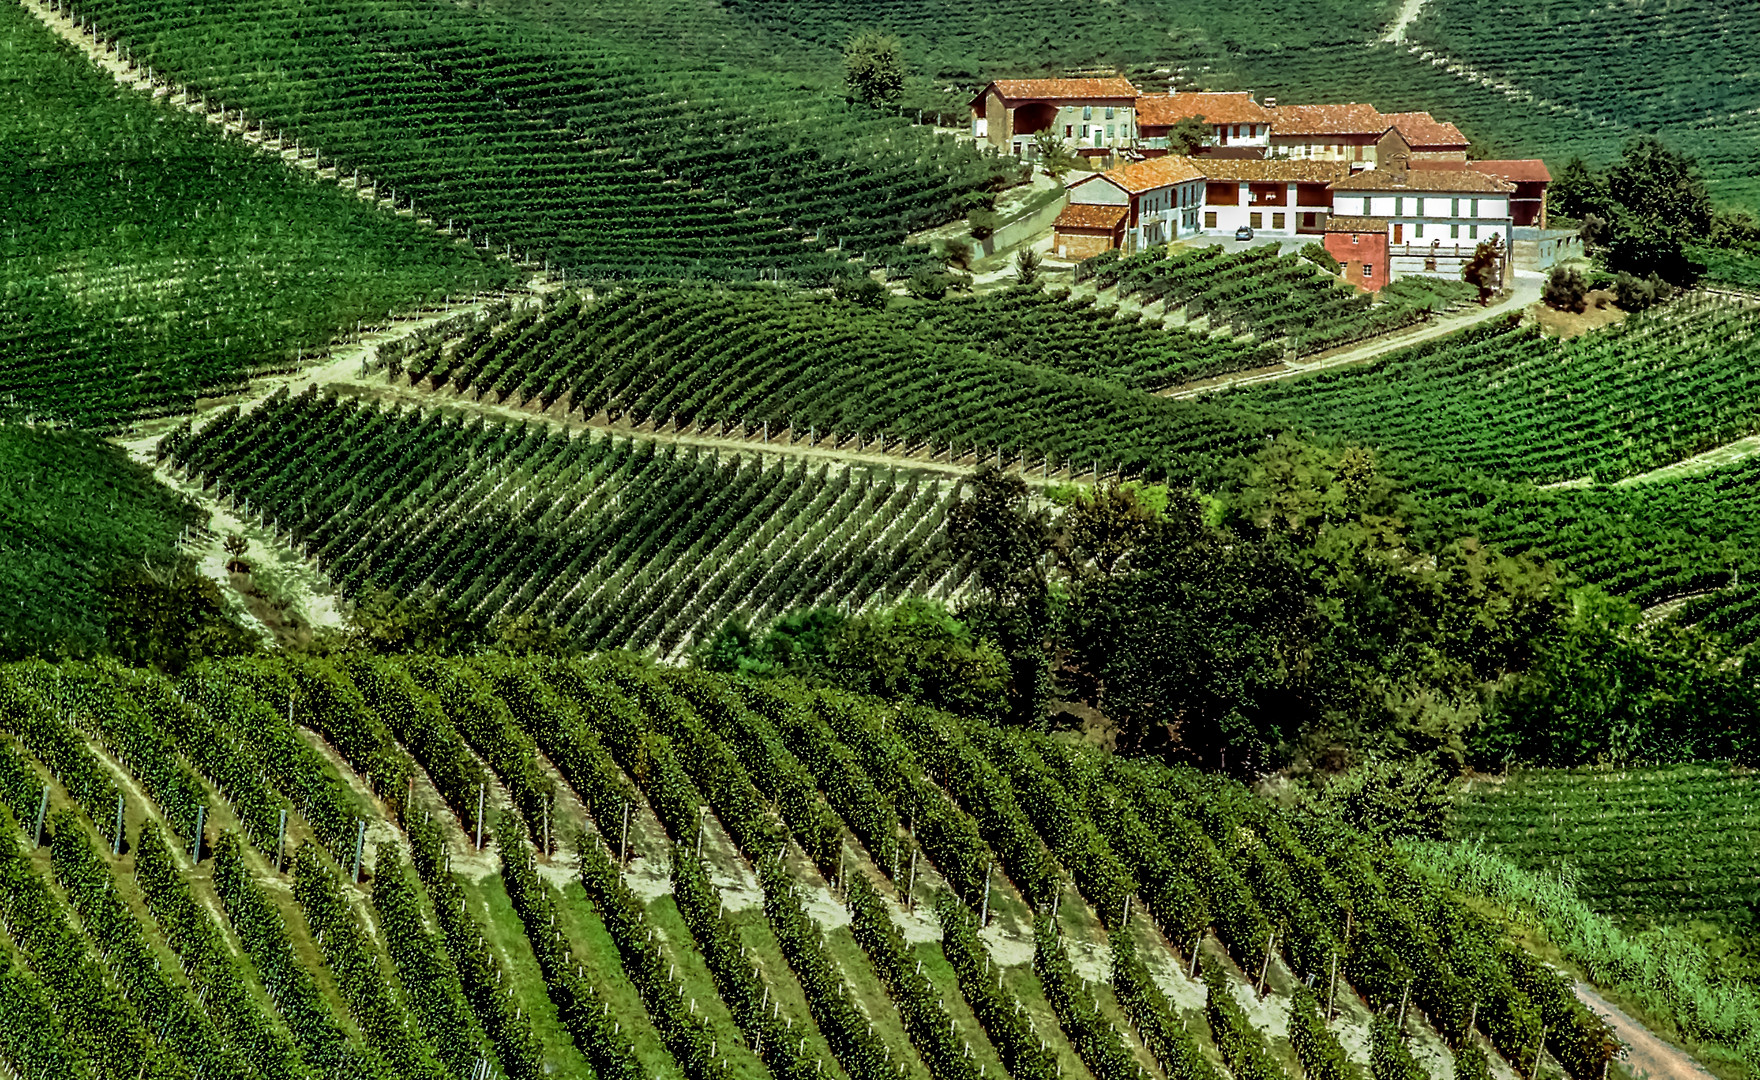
[[1243, 1048], [262, 930], [27, 715], [190, 930], [98, 702], [623, 542], [584, 1011], [1023, 1052], [926, 1021], [1104, 1049], [103, 1032], [415, 717], [425, 972], [32, 1043], [1174, 1048], [1316, 1047], [164, 1008]]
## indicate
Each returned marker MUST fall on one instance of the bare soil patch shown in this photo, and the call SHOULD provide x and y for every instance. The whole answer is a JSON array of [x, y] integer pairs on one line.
[[1600, 312]]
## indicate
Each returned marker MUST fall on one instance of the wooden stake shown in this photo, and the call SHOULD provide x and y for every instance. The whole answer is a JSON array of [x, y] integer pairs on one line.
[[1538, 1050], [280, 839], [1405, 997], [195, 844], [910, 884], [1265, 969], [42, 815], [1332, 989], [116, 839], [623, 844], [360, 841], [984, 913], [482, 790]]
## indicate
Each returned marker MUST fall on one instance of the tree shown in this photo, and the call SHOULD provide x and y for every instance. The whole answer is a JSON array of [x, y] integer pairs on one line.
[[1566, 289], [984, 223], [873, 69], [1007, 544], [927, 284], [1633, 293], [169, 618], [1185, 137], [958, 253], [860, 290], [1026, 266], [1485, 269], [1577, 191], [1055, 157]]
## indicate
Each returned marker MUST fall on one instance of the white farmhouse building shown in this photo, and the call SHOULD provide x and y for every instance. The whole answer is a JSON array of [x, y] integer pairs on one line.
[[1436, 218]]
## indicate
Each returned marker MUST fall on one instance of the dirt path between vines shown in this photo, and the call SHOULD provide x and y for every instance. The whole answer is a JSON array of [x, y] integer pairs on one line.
[[1645, 1054]]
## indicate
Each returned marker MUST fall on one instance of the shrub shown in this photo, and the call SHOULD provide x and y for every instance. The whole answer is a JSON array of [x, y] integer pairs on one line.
[[1317, 254], [984, 223], [1565, 290]]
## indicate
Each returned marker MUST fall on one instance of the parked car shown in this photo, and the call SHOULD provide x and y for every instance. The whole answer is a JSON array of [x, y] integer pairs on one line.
[[1245, 232]]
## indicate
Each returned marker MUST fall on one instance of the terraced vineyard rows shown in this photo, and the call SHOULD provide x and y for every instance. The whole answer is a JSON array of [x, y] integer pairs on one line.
[[1668, 844], [1511, 403], [324, 963], [565, 149], [624, 542], [824, 371]]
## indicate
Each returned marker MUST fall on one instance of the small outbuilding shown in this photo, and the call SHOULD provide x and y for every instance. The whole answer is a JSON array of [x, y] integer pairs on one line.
[[1086, 229], [1360, 246]]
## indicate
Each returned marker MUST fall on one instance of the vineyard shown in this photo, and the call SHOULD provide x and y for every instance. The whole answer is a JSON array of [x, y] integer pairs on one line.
[[1282, 301], [1510, 402], [823, 372], [509, 867], [562, 149], [147, 262], [72, 512], [624, 542]]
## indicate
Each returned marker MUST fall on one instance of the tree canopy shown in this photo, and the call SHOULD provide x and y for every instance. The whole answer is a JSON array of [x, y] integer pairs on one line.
[[873, 69]]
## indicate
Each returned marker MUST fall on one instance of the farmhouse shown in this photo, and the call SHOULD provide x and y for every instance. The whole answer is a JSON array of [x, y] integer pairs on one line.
[[1435, 218], [1095, 116], [1281, 197], [1427, 138], [1348, 133], [1234, 120], [1162, 198]]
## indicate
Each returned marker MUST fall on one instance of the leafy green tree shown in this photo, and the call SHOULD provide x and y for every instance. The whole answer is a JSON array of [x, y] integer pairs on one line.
[[1482, 271], [860, 290], [1008, 544], [1389, 797], [1578, 191], [1026, 266], [1054, 155], [1187, 136], [1566, 289], [873, 69], [957, 253]]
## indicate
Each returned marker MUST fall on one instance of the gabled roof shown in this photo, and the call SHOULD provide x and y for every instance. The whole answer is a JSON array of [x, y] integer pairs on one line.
[[1424, 132], [1155, 173], [1350, 119], [1519, 171], [1061, 89], [1272, 170], [1165, 110], [1091, 216], [1444, 181], [1346, 223]]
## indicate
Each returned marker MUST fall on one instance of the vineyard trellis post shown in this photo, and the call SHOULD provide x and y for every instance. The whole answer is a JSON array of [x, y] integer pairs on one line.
[[1472, 1017], [702, 823], [984, 912], [1197, 943], [195, 842], [481, 792], [1332, 988], [116, 839], [1405, 998], [280, 839], [623, 843], [547, 803], [1539, 1048], [1265, 968], [42, 814], [910, 882], [360, 841]]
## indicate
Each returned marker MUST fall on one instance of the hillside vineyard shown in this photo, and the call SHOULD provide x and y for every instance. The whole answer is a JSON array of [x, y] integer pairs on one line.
[[390, 785]]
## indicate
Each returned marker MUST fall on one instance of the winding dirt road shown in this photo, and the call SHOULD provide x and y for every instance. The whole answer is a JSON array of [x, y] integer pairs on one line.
[[1645, 1054]]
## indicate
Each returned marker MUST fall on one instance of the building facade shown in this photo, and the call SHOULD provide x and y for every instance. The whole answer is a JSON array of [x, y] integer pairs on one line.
[[1272, 196], [1347, 133], [1094, 117], [1164, 197], [1360, 246], [1086, 229], [1436, 218], [1234, 120]]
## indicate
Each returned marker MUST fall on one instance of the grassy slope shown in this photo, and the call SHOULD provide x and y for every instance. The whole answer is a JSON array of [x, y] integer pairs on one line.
[[72, 511], [146, 259]]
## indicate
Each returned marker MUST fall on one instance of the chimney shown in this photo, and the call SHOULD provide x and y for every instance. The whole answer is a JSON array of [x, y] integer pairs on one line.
[[1271, 103]]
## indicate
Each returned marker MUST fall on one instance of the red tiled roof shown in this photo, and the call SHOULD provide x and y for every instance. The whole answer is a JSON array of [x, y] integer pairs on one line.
[[1446, 181], [1350, 119], [1165, 110], [1078, 89], [1422, 131], [1519, 171], [1154, 173], [1345, 223], [1089, 216], [1272, 170]]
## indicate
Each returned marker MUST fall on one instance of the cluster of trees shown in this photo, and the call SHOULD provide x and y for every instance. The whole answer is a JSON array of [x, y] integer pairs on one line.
[[1295, 616], [1643, 214]]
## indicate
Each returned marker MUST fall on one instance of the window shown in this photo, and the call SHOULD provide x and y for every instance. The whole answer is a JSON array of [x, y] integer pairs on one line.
[[1420, 210], [1475, 208], [1354, 238], [1454, 208], [1256, 220], [1084, 131], [1418, 229], [1108, 112], [1454, 232], [1365, 206], [1087, 112], [1098, 140], [1109, 128], [1069, 131], [1473, 232], [1368, 271], [1210, 219], [1399, 206], [1277, 221]]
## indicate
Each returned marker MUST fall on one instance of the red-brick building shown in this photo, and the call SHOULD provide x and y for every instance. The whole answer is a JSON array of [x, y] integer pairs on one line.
[[1085, 229], [1360, 245]]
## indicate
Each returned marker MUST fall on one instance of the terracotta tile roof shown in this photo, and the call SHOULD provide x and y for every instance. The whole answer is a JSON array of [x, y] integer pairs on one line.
[[1443, 180], [1350, 119], [1342, 223], [1078, 89], [1089, 216], [1164, 110], [1287, 170], [1520, 171], [1422, 131], [1154, 173]]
